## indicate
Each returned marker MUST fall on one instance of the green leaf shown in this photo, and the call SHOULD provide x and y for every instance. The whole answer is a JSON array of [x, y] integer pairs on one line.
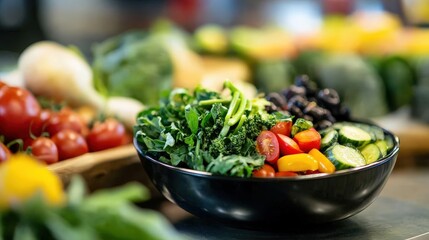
[[76, 190], [24, 232], [191, 115], [108, 198]]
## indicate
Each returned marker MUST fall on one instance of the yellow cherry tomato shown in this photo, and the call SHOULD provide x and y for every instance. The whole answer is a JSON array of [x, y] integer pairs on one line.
[[297, 163], [325, 166], [21, 177]]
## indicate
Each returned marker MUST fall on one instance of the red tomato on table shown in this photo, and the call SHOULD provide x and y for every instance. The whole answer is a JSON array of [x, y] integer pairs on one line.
[[45, 150], [70, 144], [108, 134], [66, 119], [18, 109]]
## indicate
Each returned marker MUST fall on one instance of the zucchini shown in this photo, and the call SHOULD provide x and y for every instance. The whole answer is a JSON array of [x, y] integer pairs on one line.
[[329, 139], [382, 145], [354, 136], [371, 153], [344, 157]]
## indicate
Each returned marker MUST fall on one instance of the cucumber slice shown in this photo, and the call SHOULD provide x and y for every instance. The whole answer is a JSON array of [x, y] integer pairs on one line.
[[354, 136], [344, 157], [325, 131], [371, 153], [382, 145], [329, 139], [390, 142]]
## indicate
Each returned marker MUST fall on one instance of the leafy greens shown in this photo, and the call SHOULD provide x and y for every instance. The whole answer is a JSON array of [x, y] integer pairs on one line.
[[205, 131]]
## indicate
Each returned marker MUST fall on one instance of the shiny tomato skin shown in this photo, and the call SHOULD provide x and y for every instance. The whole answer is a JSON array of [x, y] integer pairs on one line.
[[70, 144], [18, 109], [287, 145], [38, 125], [4, 152], [104, 135], [268, 145], [265, 171], [282, 128], [286, 174], [45, 150], [308, 139], [66, 119]]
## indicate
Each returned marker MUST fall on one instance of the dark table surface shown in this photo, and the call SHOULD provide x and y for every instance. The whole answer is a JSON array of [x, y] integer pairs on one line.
[[400, 212]]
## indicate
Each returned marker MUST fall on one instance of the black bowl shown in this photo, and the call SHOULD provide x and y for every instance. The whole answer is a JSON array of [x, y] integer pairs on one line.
[[309, 199]]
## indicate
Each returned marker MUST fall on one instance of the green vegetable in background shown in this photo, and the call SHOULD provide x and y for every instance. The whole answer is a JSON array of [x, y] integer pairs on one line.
[[205, 131], [133, 64], [211, 39], [273, 75], [105, 214], [356, 82], [398, 77]]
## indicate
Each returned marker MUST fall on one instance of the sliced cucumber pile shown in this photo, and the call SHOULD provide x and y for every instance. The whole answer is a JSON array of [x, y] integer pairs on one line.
[[349, 144]]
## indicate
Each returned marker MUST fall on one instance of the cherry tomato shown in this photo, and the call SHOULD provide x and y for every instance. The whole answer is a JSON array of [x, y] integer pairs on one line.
[[308, 139], [265, 171], [267, 145], [38, 126], [282, 128], [107, 134], [18, 109], [286, 174], [288, 145], [45, 150], [66, 119], [70, 144], [4, 153]]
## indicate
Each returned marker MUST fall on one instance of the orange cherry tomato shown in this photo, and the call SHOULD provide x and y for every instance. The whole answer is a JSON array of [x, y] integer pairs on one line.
[[264, 171], [308, 139]]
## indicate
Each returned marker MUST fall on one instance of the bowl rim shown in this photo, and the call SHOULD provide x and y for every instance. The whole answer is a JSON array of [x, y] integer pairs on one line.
[[203, 174]]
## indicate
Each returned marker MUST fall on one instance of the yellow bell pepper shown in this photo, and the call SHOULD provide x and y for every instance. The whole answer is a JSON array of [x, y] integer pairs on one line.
[[21, 177], [297, 163], [325, 166]]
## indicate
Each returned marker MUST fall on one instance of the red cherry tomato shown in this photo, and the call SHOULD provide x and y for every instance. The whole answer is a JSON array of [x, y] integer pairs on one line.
[[18, 109], [288, 145], [70, 144], [265, 171], [4, 153], [267, 145], [66, 119], [107, 134], [45, 150], [282, 128], [286, 174], [308, 139], [38, 126]]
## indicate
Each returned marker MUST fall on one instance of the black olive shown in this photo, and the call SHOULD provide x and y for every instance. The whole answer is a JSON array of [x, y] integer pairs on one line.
[[297, 101], [294, 91], [295, 111], [277, 99], [309, 118], [322, 124], [317, 113], [305, 82], [344, 114], [328, 97]]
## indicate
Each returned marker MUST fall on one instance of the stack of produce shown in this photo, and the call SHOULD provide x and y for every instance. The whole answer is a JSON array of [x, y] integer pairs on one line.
[[33, 205]]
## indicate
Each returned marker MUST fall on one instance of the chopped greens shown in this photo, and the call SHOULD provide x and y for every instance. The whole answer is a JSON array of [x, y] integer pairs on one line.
[[203, 130]]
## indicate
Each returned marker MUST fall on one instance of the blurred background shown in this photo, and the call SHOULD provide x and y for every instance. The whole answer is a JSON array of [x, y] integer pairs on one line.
[[374, 53]]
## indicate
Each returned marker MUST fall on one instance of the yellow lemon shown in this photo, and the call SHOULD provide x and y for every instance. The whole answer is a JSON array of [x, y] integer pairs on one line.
[[21, 177]]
